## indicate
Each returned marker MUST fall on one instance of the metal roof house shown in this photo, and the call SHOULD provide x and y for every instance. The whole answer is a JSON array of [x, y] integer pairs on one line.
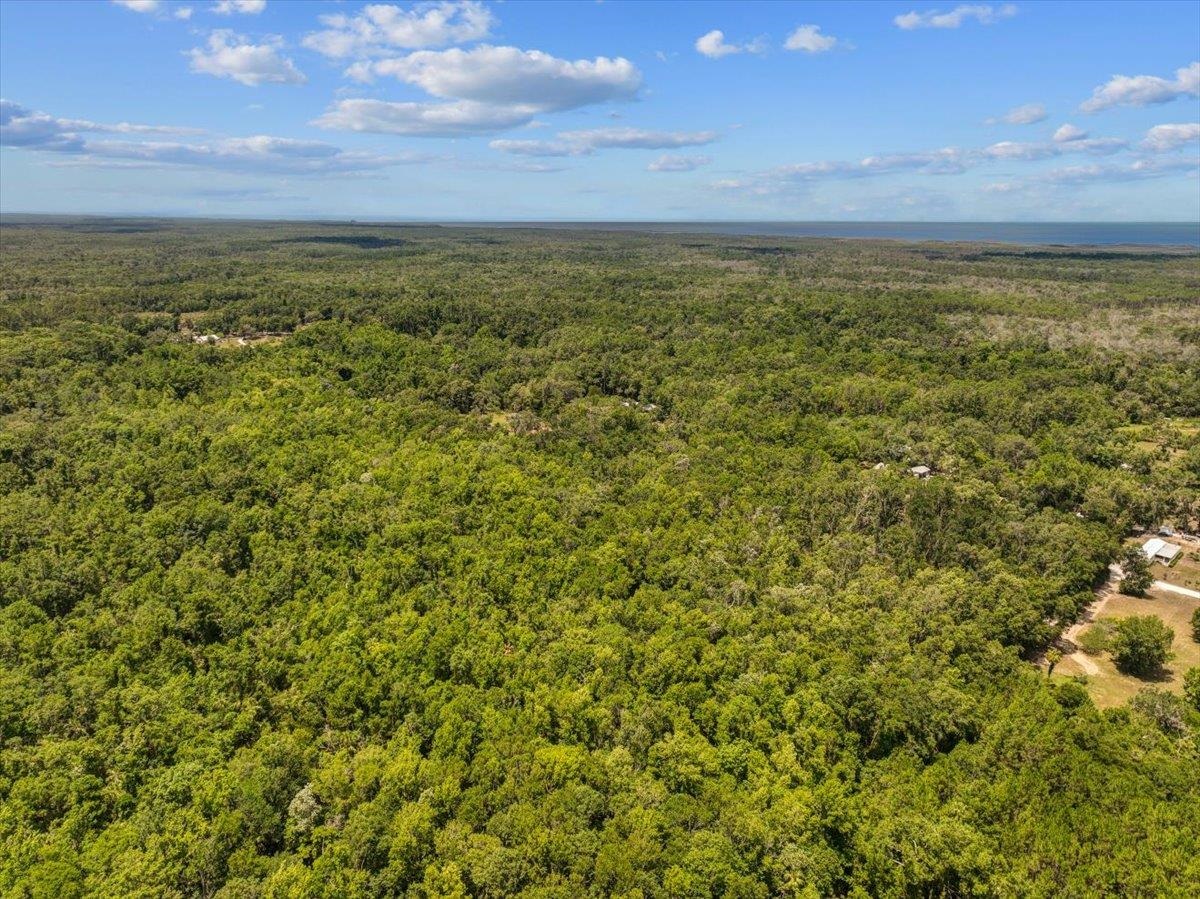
[[1158, 550], [921, 471]]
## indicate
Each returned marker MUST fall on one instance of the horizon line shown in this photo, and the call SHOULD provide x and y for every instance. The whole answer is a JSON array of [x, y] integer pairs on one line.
[[424, 220]]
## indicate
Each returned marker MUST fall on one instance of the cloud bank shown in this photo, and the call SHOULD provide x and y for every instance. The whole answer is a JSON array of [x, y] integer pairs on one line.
[[382, 27], [983, 14], [257, 154], [586, 142], [485, 89], [1144, 90]]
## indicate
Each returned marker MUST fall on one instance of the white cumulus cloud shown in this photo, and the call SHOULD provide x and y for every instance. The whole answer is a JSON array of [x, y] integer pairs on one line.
[[142, 6], [1144, 90], [483, 89], [714, 46], [1028, 114], [455, 119], [809, 39], [156, 8], [981, 13], [538, 148], [669, 163], [1171, 137], [637, 138], [1008, 149], [586, 142], [245, 7], [230, 55], [944, 161], [1068, 133], [380, 27], [509, 76]]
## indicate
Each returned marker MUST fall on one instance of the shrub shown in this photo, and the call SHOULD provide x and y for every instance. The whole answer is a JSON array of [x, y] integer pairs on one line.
[[1165, 709], [1141, 644], [1191, 688], [1096, 639]]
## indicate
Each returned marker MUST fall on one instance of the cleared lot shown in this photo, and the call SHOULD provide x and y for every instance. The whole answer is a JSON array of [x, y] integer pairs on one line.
[[1110, 687]]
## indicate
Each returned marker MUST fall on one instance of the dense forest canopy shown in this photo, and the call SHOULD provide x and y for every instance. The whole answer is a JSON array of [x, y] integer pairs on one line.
[[517, 562]]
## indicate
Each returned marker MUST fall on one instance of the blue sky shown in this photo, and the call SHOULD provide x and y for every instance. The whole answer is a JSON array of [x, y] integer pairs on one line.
[[614, 110]]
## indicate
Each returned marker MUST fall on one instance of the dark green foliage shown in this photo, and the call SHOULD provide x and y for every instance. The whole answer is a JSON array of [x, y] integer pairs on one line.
[[548, 564], [1141, 644], [1196, 624], [1136, 569]]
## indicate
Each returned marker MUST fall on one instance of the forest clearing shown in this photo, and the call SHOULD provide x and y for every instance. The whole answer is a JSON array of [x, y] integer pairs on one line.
[[1110, 687]]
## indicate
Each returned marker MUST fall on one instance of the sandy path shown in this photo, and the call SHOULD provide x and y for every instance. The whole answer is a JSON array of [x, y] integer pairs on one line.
[[1085, 664], [1103, 592], [1163, 585], [1079, 657], [1092, 612]]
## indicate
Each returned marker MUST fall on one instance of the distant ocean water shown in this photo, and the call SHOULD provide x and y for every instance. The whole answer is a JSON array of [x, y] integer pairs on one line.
[[1180, 234]]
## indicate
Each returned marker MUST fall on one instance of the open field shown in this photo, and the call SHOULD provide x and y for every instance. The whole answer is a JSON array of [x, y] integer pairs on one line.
[[1109, 687]]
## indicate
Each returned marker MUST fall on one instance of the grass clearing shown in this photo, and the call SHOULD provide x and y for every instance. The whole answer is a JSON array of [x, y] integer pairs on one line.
[[1185, 572], [1110, 687]]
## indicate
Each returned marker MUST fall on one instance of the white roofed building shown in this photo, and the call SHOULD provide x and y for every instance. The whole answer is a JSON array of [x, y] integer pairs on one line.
[[1159, 550]]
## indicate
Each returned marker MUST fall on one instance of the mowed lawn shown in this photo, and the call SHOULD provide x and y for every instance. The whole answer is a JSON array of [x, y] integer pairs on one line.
[[1110, 687]]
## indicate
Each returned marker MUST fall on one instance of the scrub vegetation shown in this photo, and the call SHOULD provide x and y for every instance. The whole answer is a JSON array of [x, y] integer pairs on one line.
[[516, 562]]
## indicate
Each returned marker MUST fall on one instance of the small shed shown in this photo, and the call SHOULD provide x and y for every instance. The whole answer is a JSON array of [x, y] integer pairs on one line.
[[1158, 550], [920, 471]]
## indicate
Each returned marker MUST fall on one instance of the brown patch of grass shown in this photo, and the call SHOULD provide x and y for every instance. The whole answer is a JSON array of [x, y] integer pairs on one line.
[[1154, 330], [1112, 687], [523, 423], [1185, 572]]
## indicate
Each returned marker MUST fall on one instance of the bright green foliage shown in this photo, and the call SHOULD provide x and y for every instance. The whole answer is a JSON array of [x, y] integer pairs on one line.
[[1191, 687], [1166, 710], [558, 564], [1053, 657], [1096, 639], [1141, 644]]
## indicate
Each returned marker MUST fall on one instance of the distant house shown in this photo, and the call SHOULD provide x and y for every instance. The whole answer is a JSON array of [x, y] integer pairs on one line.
[[1166, 531], [920, 471], [1158, 550], [206, 338]]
